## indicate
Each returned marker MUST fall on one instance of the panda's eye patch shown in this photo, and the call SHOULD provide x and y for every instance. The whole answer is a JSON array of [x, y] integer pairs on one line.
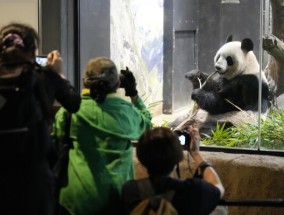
[[217, 57], [230, 61]]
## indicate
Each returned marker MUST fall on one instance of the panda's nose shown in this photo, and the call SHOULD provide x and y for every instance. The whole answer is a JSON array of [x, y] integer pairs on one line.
[[218, 68]]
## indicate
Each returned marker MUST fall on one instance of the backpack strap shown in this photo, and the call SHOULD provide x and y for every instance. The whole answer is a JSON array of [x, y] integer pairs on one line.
[[178, 170]]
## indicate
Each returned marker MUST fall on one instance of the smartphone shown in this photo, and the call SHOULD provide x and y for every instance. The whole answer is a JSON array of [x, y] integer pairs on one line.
[[41, 60], [184, 139]]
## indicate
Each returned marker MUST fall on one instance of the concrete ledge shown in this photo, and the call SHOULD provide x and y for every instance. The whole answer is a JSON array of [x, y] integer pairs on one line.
[[245, 177]]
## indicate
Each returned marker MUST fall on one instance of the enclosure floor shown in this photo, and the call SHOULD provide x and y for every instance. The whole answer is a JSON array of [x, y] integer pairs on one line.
[[163, 119]]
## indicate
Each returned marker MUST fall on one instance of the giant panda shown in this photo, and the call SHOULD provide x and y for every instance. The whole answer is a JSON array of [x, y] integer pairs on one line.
[[231, 94]]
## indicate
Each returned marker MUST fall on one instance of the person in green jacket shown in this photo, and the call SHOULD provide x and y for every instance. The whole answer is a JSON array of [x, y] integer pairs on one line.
[[102, 130]]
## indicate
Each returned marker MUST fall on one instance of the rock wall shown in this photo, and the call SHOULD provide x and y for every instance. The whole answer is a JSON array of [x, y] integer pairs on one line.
[[245, 177]]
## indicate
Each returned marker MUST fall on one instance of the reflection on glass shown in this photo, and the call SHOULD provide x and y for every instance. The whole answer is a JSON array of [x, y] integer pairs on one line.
[[137, 42]]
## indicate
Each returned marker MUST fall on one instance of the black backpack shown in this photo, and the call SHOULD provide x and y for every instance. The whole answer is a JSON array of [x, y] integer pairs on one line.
[[24, 114]]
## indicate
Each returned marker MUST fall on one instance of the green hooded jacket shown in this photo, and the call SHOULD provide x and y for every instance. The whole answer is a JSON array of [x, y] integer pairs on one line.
[[102, 158]]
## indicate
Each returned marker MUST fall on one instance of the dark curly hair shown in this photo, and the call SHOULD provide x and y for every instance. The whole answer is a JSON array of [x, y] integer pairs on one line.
[[159, 150], [18, 42], [101, 78], [99, 90]]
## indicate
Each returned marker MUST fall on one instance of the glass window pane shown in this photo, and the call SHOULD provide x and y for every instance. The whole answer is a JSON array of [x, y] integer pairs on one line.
[[175, 48]]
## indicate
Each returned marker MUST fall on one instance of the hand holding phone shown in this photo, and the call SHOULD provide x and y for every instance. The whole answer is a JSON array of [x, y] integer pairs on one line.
[[55, 60], [42, 60], [194, 139], [184, 139], [128, 82]]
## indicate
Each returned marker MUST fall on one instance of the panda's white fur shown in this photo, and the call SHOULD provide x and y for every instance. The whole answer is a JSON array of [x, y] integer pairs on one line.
[[233, 62], [246, 61]]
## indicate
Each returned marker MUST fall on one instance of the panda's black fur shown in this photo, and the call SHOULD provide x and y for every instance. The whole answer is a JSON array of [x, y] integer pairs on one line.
[[222, 95], [232, 90]]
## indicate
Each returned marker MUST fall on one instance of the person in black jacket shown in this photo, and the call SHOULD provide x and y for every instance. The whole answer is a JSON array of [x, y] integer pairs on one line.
[[159, 150], [26, 181], [58, 87]]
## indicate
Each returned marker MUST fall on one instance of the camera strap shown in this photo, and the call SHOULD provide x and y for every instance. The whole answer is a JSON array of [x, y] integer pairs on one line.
[[178, 170], [189, 168]]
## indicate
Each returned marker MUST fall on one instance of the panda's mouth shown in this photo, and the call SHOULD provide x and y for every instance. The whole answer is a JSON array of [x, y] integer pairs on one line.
[[220, 70]]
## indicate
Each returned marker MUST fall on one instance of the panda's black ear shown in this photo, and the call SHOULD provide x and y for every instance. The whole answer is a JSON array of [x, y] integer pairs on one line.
[[229, 38], [247, 44]]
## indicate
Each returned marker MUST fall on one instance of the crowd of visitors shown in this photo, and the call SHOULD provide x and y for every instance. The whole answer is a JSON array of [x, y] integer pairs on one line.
[[101, 126]]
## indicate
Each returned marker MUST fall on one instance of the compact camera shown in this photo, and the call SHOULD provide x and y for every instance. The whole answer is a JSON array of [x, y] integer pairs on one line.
[[41, 60], [184, 139]]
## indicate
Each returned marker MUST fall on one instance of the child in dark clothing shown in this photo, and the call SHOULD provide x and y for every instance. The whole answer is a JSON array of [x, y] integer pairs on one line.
[[159, 150]]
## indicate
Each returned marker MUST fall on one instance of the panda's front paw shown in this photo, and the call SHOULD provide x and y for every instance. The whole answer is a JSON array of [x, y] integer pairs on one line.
[[193, 74], [196, 77], [197, 95]]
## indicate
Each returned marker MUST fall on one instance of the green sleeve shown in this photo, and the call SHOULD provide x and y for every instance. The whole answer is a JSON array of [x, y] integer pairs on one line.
[[58, 127], [139, 104]]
